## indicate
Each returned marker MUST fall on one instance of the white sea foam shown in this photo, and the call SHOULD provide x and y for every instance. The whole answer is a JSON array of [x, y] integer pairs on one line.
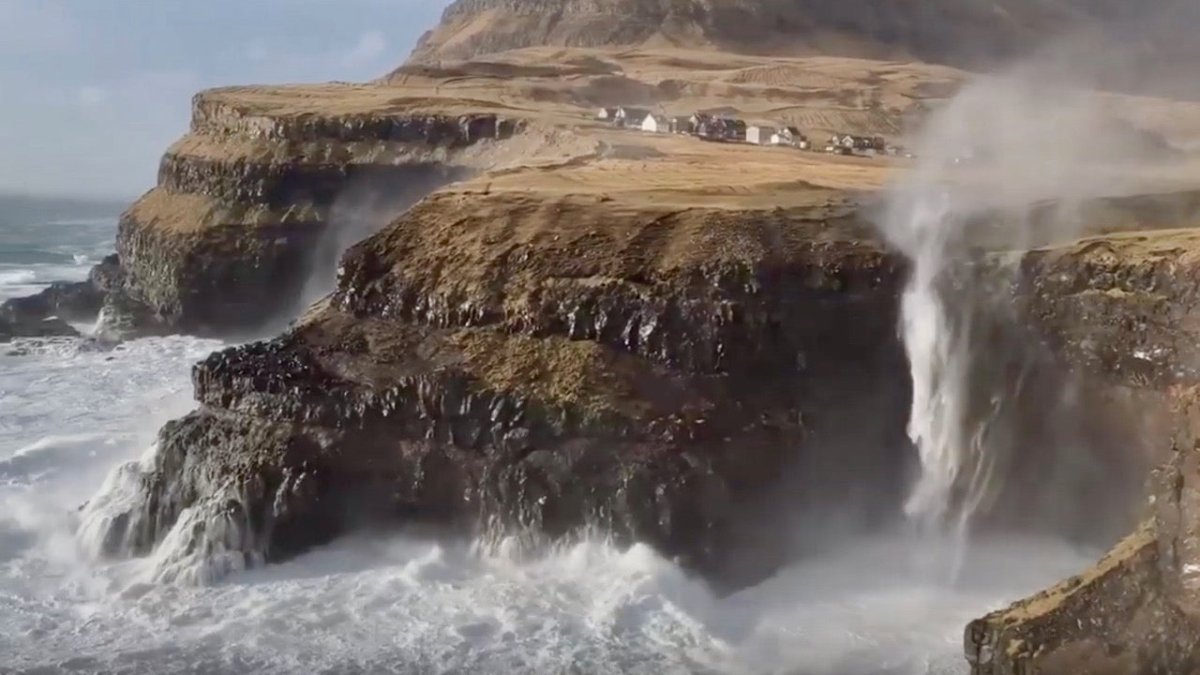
[[28, 279]]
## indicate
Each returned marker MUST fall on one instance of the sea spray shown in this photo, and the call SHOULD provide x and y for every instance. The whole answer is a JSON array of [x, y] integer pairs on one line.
[[985, 161], [947, 429], [935, 354]]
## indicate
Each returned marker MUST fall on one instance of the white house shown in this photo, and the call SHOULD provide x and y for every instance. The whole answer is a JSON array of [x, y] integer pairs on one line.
[[656, 124], [630, 117], [606, 114], [758, 134], [789, 136]]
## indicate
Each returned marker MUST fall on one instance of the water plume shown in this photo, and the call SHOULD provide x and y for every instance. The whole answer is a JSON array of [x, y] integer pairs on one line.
[[1002, 167]]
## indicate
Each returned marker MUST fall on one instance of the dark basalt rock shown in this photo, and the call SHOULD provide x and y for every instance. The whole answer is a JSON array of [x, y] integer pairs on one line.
[[34, 328], [664, 408], [437, 445], [1123, 310], [498, 365], [47, 313]]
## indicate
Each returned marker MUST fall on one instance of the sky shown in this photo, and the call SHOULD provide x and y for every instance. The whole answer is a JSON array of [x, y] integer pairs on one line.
[[93, 91]]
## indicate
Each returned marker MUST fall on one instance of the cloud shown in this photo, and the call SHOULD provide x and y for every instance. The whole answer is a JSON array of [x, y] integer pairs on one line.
[[370, 46], [91, 96]]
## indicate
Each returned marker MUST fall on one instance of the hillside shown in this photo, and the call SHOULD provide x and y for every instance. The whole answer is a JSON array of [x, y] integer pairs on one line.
[[974, 34]]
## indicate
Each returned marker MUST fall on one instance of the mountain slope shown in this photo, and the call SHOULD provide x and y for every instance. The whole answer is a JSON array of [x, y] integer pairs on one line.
[[970, 33]]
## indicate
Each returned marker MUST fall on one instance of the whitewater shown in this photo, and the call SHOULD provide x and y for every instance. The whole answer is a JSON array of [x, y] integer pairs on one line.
[[70, 412]]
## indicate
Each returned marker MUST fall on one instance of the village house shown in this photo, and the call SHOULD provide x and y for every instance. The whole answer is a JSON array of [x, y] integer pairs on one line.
[[630, 117], [713, 128], [852, 143], [683, 125], [759, 135], [842, 141], [789, 136], [656, 124], [709, 129], [737, 129], [606, 114]]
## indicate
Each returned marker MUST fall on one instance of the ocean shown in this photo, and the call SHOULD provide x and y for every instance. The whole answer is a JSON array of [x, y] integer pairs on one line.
[[71, 414], [35, 254]]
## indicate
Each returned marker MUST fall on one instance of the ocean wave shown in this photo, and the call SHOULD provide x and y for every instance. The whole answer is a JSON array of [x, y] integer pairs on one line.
[[17, 277], [45, 451], [28, 279]]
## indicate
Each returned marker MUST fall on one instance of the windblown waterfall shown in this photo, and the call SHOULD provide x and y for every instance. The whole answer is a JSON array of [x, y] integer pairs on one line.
[[986, 160], [938, 348]]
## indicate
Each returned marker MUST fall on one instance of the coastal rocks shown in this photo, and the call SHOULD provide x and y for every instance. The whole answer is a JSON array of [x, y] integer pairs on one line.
[[35, 328], [1114, 619], [51, 312], [1135, 611], [506, 365], [1123, 309], [714, 382]]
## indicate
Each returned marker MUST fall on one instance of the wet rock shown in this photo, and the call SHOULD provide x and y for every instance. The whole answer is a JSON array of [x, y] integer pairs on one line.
[[11, 328], [495, 391], [1123, 309], [125, 318], [47, 312]]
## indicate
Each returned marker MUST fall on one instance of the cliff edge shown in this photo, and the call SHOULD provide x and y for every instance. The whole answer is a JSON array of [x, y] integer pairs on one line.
[[1123, 308]]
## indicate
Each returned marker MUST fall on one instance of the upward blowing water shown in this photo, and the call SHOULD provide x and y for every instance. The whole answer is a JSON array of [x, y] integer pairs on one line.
[[955, 467], [1000, 146]]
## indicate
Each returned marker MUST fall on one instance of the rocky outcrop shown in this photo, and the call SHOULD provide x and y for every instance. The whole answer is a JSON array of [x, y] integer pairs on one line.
[[1122, 307], [505, 364], [538, 364], [51, 312], [254, 205], [35, 328]]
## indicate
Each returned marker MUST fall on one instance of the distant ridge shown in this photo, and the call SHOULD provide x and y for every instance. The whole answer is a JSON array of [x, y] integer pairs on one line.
[[964, 33]]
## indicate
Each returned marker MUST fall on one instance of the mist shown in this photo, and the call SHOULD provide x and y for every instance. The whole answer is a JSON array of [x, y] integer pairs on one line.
[[1012, 162]]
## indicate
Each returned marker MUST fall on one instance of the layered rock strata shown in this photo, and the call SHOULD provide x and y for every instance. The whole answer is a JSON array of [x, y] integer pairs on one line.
[[708, 380], [254, 205], [505, 364], [1123, 308]]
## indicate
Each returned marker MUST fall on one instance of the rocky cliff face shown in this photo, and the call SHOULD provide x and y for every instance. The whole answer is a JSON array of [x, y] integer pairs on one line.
[[254, 205], [501, 364], [262, 194], [538, 364], [1124, 308]]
